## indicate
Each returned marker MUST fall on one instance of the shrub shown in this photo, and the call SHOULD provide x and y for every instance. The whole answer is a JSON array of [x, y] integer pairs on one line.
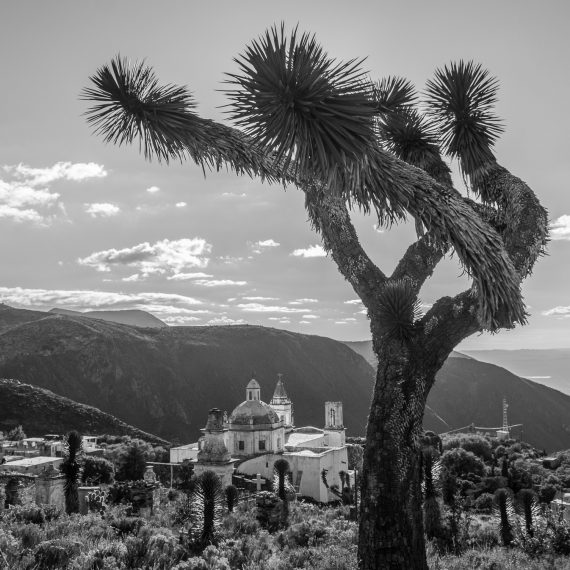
[[97, 471], [463, 463], [484, 503]]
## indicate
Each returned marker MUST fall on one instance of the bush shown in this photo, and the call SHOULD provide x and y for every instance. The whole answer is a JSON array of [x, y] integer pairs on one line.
[[463, 463], [476, 444], [97, 471], [484, 503]]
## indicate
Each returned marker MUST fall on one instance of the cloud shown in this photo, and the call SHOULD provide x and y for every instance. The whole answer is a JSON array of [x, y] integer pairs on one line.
[[83, 300], [19, 215], [311, 251], [305, 322], [260, 246], [563, 312], [165, 256], [187, 276], [353, 302], [259, 299], [180, 320], [102, 210], [181, 204], [22, 201], [133, 278], [233, 195], [223, 320], [311, 317], [303, 301], [153, 189], [219, 283], [560, 228], [283, 320], [75, 172], [259, 308]]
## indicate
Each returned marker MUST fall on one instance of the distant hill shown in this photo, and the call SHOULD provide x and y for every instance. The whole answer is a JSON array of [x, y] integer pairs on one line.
[[364, 348], [165, 380], [550, 367], [131, 317], [41, 411], [469, 391]]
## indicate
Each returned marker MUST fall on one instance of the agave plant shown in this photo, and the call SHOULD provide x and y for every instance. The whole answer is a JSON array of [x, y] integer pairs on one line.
[[71, 469]]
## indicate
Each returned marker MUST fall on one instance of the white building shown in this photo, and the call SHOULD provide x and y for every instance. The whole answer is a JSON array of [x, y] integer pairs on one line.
[[256, 434]]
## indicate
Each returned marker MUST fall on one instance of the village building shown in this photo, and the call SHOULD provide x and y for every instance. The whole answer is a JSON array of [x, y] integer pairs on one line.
[[256, 434]]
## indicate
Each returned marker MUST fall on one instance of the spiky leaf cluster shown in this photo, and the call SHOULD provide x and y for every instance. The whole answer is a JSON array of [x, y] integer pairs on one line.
[[207, 505], [131, 105], [392, 93], [313, 112], [461, 100], [232, 497], [505, 512], [398, 309], [409, 136], [71, 470]]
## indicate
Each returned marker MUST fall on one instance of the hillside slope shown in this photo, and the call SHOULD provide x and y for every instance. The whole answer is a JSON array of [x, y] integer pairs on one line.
[[469, 391], [165, 380], [41, 411], [131, 317]]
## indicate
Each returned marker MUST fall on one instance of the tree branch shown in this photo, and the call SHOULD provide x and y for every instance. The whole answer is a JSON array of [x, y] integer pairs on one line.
[[525, 234], [330, 217]]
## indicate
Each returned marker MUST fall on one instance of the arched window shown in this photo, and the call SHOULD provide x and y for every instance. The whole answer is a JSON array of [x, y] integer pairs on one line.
[[332, 415]]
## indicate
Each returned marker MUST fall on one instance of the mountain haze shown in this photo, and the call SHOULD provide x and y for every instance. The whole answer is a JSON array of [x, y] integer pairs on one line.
[[550, 367]]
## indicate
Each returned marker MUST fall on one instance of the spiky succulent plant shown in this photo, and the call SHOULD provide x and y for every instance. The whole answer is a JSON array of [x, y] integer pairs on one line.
[[460, 100]]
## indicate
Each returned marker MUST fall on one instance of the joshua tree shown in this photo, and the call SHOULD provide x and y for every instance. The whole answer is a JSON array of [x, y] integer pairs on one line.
[[305, 119], [71, 469]]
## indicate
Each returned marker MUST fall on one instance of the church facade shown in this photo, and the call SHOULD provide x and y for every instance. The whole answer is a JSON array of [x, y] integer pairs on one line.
[[256, 434]]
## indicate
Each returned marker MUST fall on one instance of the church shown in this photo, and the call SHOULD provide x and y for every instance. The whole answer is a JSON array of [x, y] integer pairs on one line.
[[256, 434]]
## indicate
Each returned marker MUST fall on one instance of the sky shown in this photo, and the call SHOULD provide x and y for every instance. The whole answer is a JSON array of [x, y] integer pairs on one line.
[[89, 226]]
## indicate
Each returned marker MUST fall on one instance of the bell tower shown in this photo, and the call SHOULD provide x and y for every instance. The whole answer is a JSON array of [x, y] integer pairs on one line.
[[334, 428], [282, 404]]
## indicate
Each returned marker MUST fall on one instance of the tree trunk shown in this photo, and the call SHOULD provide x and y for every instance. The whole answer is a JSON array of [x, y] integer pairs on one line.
[[391, 533]]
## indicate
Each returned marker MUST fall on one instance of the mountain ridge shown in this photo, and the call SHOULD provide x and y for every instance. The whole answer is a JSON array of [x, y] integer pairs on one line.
[[41, 411]]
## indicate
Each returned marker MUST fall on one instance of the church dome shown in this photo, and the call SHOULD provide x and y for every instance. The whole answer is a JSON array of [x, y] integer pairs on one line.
[[253, 412]]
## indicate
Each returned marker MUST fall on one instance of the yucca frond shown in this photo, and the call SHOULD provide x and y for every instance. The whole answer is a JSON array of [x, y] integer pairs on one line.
[[410, 137], [399, 308], [293, 100], [207, 505], [130, 104], [392, 93], [461, 100]]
